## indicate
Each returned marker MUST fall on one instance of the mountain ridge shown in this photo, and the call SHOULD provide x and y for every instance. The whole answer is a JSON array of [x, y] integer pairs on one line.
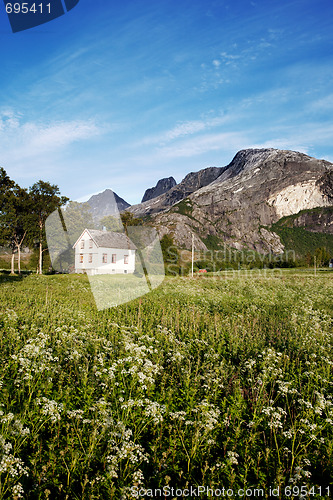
[[256, 189], [191, 182]]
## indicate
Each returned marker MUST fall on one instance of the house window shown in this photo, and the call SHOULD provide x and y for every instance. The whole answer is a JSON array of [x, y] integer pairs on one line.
[[90, 258], [105, 258], [114, 258], [125, 259], [81, 258], [90, 243], [82, 243]]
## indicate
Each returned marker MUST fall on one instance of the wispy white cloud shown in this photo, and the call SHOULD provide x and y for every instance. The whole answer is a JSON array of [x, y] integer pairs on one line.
[[206, 143], [22, 139], [230, 57], [186, 128], [275, 34], [306, 139], [285, 143], [323, 104], [8, 120], [58, 135], [31, 148]]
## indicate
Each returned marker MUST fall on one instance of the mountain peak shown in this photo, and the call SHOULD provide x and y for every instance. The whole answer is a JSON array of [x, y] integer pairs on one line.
[[161, 187], [106, 203]]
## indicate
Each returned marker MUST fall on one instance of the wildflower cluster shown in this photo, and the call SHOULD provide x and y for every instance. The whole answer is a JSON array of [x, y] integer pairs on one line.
[[201, 382]]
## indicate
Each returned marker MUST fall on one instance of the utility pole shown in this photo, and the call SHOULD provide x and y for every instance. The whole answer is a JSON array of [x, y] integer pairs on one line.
[[192, 252]]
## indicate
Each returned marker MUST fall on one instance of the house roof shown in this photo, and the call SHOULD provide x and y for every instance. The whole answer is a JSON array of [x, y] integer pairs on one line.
[[110, 239]]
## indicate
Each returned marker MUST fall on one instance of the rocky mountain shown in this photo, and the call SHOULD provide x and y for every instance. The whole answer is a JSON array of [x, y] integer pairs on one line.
[[242, 200], [106, 203], [190, 183], [161, 187]]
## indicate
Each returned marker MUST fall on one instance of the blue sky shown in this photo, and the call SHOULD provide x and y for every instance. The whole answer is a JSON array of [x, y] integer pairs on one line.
[[119, 94]]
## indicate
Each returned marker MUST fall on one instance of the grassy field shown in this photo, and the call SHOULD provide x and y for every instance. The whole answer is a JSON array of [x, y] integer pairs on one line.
[[221, 382]]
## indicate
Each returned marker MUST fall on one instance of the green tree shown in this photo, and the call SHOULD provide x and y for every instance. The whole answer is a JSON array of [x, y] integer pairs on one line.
[[45, 199], [17, 219], [112, 223], [6, 184], [322, 256], [128, 219], [170, 254], [119, 224], [308, 259], [13, 215]]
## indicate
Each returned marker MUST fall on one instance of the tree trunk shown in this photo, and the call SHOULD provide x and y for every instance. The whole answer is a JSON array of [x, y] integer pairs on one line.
[[19, 259], [12, 265], [19, 244], [40, 264]]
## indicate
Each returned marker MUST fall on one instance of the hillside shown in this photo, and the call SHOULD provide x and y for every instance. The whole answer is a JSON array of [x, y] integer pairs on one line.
[[306, 231]]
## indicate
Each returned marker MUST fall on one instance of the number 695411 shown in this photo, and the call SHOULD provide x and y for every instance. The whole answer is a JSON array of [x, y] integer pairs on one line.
[[23, 8]]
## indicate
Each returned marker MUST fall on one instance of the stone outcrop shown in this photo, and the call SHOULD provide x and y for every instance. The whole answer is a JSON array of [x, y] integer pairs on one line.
[[161, 187]]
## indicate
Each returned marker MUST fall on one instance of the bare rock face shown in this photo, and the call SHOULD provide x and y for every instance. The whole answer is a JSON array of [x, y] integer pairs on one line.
[[190, 183], [325, 183], [182, 229], [254, 191], [161, 187], [301, 196]]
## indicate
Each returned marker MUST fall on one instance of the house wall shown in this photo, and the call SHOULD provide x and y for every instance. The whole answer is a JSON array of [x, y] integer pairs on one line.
[[119, 266], [97, 266]]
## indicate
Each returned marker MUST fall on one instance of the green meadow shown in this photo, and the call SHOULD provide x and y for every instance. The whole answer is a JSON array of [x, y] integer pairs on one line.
[[223, 381]]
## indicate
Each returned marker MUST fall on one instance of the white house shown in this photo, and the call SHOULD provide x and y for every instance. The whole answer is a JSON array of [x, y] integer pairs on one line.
[[104, 252]]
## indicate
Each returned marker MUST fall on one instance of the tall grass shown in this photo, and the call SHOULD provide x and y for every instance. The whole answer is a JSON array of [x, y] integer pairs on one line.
[[202, 382]]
